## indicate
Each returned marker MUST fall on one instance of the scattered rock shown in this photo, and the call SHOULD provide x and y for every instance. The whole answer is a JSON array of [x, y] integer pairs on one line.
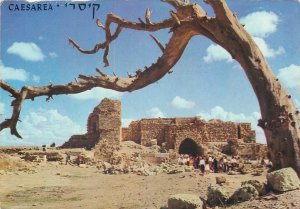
[[175, 170], [283, 180], [220, 179], [233, 173], [82, 165], [153, 142], [188, 169], [186, 201], [259, 186], [217, 195], [246, 169], [245, 193], [257, 173], [270, 197]]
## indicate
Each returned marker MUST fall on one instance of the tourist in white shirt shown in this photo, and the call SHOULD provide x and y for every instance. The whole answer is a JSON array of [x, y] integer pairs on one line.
[[202, 165]]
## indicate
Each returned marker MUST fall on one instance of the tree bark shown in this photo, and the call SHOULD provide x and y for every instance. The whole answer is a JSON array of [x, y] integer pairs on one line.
[[280, 119]]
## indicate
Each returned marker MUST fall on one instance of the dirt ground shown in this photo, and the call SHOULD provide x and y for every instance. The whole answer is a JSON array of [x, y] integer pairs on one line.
[[52, 185]]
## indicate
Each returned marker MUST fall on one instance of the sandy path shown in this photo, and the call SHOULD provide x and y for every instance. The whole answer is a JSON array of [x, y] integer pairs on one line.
[[61, 186]]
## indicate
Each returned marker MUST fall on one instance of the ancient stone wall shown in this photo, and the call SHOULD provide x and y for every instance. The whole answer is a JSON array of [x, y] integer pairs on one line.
[[110, 128], [153, 129], [103, 123], [219, 131], [173, 131], [104, 131], [133, 132], [245, 132], [110, 125]]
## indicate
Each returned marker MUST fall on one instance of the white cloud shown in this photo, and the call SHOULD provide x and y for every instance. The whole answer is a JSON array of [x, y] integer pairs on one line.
[[36, 78], [155, 112], [182, 103], [267, 50], [43, 127], [41, 38], [26, 50], [216, 53], [9, 73], [260, 24], [97, 94], [126, 122], [53, 55], [290, 76], [267, 22], [219, 113]]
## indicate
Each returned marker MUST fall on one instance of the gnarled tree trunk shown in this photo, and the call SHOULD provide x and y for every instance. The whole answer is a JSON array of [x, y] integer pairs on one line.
[[280, 119]]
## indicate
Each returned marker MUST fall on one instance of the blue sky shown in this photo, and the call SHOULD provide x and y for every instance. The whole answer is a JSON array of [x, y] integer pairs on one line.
[[205, 82]]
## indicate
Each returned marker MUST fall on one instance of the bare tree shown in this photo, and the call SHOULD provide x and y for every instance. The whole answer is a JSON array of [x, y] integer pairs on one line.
[[280, 119]]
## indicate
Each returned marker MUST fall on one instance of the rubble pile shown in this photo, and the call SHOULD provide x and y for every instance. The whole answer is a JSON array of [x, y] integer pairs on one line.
[[38, 156], [130, 157], [282, 180]]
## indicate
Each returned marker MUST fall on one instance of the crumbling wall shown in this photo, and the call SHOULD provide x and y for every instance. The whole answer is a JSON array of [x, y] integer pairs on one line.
[[77, 141], [110, 128], [133, 132], [172, 131], [245, 150], [103, 123], [153, 129], [246, 133], [219, 131]]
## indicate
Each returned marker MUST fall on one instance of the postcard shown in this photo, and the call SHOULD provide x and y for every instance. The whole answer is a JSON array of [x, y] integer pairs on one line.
[[143, 104]]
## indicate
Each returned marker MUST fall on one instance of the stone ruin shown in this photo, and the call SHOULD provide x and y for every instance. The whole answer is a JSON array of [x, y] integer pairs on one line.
[[191, 135], [187, 135], [104, 123]]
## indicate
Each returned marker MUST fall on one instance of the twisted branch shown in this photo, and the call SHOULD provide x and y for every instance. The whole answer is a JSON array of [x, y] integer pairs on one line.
[[184, 24]]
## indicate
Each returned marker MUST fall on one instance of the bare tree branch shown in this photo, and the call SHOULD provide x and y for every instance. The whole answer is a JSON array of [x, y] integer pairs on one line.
[[8, 88], [99, 24], [111, 18], [222, 12], [158, 43], [148, 16]]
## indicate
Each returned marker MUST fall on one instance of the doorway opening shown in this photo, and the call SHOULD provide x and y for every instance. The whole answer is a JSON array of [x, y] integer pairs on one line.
[[190, 147]]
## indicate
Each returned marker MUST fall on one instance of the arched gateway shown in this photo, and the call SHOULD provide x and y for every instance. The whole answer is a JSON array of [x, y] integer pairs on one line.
[[190, 147]]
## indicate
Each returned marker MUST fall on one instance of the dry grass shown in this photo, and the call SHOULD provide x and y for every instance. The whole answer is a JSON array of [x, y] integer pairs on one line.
[[8, 163]]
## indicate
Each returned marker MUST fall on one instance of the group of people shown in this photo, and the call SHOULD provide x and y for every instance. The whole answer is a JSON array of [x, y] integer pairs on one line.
[[208, 164], [79, 158]]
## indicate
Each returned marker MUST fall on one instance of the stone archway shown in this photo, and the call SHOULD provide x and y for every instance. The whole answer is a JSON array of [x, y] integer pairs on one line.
[[190, 147]]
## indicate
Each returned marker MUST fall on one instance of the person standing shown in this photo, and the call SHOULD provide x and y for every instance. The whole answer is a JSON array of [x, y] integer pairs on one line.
[[233, 163], [68, 157], [45, 158], [215, 165], [79, 159], [225, 164], [202, 165]]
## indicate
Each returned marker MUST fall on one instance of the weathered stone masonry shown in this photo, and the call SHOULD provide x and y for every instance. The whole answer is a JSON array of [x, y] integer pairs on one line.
[[172, 131], [103, 123]]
